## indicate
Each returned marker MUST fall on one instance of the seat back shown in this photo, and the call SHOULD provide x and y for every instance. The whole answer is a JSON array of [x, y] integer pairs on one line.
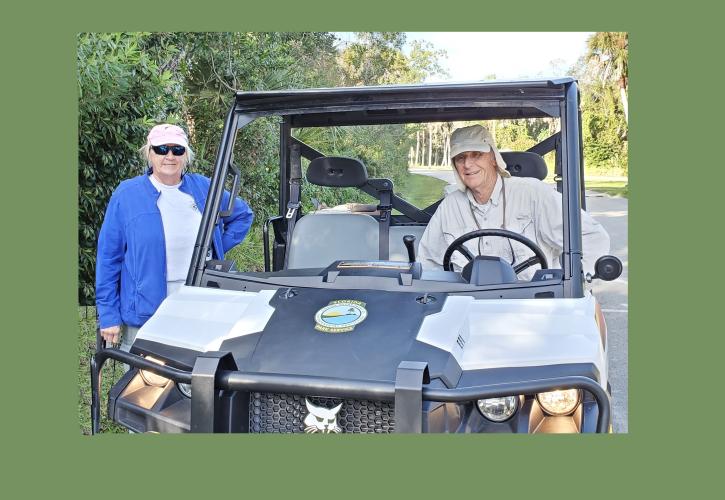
[[525, 164], [397, 247], [337, 171], [319, 239]]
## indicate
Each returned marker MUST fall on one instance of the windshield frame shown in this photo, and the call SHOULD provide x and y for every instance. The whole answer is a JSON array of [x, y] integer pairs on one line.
[[381, 105]]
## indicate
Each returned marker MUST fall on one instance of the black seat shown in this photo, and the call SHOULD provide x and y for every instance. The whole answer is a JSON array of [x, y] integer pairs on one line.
[[525, 164], [337, 171]]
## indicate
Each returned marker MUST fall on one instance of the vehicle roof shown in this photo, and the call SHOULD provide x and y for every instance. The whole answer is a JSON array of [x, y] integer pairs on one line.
[[409, 103]]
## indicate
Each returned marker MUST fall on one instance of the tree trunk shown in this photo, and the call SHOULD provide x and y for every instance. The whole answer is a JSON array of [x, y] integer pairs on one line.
[[623, 96], [430, 147], [417, 148]]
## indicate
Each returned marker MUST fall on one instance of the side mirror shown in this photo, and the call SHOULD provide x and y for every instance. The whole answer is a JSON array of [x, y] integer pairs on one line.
[[607, 268]]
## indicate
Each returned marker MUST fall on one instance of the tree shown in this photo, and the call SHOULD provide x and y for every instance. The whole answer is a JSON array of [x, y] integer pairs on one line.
[[608, 54], [603, 76], [378, 59]]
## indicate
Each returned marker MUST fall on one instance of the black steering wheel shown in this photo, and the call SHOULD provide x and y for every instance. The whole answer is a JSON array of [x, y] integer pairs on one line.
[[457, 244]]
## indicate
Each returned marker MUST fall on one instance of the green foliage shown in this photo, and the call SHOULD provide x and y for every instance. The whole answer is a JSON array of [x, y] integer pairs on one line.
[[378, 59], [129, 81], [122, 90], [520, 135], [604, 129], [604, 77], [221, 63]]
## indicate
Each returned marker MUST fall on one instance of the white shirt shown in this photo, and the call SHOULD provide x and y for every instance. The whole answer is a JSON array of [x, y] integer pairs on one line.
[[181, 219], [533, 209]]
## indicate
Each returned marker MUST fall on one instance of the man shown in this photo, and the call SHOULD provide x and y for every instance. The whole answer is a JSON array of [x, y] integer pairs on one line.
[[489, 198]]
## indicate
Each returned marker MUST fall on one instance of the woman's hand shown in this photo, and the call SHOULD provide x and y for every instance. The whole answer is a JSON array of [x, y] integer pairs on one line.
[[111, 334]]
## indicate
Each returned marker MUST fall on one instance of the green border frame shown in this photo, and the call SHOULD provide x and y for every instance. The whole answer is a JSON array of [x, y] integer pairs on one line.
[[39, 350]]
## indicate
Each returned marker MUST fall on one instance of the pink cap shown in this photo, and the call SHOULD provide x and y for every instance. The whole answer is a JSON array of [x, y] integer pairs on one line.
[[167, 134]]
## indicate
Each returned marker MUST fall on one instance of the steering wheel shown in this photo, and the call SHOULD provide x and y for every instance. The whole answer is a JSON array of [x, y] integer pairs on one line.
[[457, 244]]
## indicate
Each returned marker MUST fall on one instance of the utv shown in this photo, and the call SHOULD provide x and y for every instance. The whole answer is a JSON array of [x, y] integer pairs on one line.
[[344, 332]]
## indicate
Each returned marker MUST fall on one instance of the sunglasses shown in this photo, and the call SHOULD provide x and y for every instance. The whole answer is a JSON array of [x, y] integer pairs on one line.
[[164, 150]]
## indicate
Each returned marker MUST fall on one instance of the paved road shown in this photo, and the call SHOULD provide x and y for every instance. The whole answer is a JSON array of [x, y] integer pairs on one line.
[[612, 213]]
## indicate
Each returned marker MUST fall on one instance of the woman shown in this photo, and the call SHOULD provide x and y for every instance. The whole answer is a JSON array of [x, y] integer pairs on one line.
[[148, 235]]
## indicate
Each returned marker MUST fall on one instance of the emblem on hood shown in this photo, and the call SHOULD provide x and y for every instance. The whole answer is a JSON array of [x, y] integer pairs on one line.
[[321, 419], [340, 316]]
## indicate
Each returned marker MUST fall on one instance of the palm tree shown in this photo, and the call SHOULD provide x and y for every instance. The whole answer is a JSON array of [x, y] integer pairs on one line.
[[609, 55]]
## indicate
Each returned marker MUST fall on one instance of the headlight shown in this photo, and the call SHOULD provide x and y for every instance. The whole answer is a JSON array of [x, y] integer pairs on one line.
[[150, 377], [185, 389], [559, 402], [498, 409]]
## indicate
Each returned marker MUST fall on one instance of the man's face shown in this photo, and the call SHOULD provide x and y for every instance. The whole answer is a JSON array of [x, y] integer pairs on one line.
[[475, 168]]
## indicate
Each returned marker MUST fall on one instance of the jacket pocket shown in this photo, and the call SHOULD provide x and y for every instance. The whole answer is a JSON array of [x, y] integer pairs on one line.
[[146, 299]]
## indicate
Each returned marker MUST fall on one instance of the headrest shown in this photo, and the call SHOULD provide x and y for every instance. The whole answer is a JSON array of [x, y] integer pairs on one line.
[[525, 164], [337, 171]]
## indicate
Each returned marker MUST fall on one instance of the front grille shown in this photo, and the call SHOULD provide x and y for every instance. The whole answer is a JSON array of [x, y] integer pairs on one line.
[[286, 413]]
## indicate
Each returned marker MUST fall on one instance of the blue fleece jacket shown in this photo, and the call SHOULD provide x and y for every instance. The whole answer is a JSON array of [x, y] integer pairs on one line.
[[131, 256]]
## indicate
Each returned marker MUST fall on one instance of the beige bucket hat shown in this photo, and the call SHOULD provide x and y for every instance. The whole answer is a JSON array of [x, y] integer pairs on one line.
[[474, 138]]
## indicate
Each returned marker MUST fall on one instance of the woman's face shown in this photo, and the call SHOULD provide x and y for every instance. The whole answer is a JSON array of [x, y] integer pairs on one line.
[[167, 168]]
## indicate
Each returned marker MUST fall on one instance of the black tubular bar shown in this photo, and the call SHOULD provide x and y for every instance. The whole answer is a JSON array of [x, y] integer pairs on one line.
[[265, 244], [311, 385], [385, 391], [572, 189], [546, 146], [169, 372], [210, 215], [306, 384], [285, 141], [96, 365], [307, 151], [527, 387]]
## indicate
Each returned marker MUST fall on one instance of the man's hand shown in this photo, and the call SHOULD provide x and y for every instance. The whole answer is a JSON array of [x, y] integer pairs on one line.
[[111, 334]]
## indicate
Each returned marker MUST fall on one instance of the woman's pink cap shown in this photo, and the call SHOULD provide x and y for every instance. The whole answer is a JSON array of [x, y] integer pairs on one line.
[[167, 134]]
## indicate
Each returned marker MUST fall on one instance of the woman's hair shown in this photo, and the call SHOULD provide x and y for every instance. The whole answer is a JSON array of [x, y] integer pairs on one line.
[[145, 153]]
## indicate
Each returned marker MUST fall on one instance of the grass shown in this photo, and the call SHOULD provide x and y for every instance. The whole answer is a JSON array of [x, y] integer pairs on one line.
[[112, 371], [421, 190], [612, 188]]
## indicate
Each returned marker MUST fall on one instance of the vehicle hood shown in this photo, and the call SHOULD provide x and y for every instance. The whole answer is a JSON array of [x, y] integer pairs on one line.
[[281, 331]]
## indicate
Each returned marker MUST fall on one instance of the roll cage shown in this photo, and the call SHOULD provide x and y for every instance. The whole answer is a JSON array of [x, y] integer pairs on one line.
[[556, 98]]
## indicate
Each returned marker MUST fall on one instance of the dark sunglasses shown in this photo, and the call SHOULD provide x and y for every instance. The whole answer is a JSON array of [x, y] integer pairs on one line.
[[164, 150]]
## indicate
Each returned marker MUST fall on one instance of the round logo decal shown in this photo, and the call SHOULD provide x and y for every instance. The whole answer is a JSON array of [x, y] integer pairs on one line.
[[340, 316]]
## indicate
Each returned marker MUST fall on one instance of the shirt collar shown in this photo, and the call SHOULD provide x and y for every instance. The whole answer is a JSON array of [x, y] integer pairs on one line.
[[495, 195]]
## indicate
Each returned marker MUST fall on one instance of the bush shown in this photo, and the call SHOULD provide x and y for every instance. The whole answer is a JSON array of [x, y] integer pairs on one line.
[[121, 91]]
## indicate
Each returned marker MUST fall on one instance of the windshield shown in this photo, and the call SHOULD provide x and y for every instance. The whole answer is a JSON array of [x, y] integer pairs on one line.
[[340, 229]]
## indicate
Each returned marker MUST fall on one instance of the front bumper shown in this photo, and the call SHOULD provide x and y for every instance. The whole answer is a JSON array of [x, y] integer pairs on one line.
[[221, 399]]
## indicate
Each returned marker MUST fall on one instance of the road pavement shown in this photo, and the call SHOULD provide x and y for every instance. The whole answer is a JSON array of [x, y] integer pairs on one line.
[[612, 213]]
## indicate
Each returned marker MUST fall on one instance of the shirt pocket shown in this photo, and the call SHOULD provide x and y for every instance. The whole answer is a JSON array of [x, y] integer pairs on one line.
[[452, 232], [523, 225]]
